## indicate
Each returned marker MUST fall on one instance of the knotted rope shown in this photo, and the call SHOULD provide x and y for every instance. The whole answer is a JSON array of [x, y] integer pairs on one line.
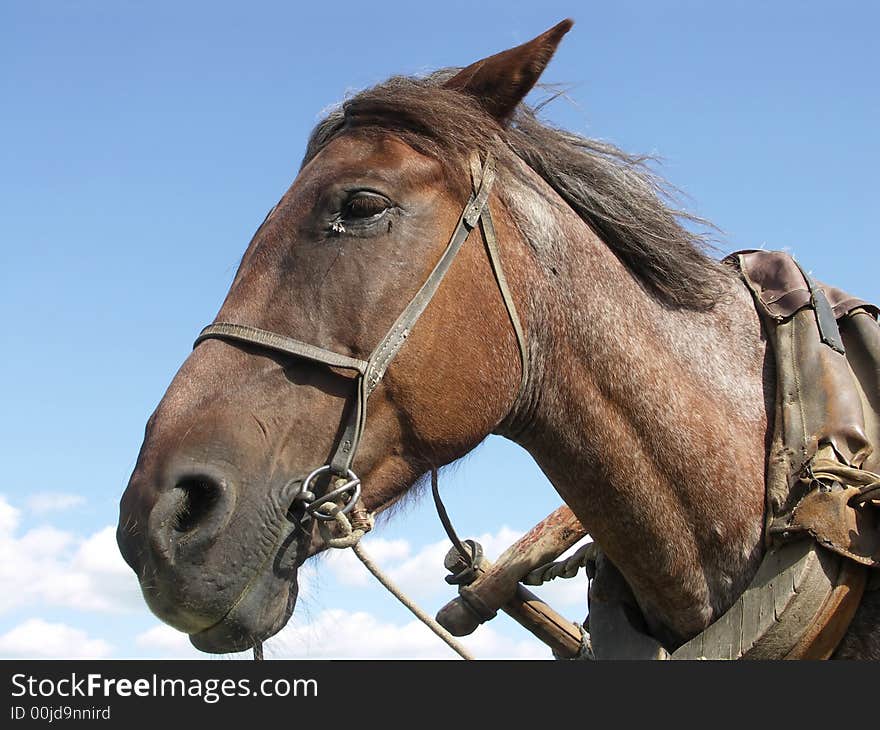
[[350, 538], [583, 557]]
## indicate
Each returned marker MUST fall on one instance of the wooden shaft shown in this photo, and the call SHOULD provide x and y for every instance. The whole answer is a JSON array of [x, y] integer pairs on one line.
[[496, 586], [560, 634], [545, 542]]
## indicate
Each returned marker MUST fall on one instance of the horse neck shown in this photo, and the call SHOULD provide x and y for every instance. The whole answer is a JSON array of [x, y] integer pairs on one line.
[[651, 423]]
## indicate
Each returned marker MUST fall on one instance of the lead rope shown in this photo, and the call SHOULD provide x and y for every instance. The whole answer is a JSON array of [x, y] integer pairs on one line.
[[350, 538]]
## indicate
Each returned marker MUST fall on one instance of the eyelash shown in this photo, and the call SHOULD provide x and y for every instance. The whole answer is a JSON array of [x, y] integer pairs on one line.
[[350, 217], [367, 203]]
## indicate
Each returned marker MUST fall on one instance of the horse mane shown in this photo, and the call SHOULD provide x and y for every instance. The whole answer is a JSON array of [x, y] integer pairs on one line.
[[630, 207]]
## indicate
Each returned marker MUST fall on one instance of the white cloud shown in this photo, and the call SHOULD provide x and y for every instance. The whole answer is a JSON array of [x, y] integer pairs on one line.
[[423, 574], [420, 574], [43, 502], [100, 554], [162, 640], [41, 543], [50, 567], [36, 638], [348, 570], [9, 517], [165, 639], [340, 634], [382, 549]]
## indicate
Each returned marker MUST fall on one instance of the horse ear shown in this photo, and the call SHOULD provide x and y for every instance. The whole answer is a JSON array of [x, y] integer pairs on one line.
[[500, 82]]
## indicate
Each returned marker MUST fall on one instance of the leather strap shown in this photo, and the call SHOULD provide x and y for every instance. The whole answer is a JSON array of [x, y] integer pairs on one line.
[[825, 319], [393, 341], [843, 519], [342, 457], [487, 226], [279, 343], [371, 371], [831, 621]]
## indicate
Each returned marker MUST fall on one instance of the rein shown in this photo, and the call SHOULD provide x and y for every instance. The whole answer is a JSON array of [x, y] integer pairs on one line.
[[346, 487]]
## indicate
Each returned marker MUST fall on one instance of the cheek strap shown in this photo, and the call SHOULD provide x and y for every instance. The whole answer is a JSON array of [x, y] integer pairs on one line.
[[369, 372]]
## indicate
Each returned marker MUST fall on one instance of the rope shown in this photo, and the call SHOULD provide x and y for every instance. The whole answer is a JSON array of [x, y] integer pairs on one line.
[[350, 538], [442, 633], [350, 535], [444, 518], [867, 482], [567, 568]]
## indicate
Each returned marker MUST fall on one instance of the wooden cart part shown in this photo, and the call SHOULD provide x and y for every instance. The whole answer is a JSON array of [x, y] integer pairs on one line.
[[496, 586]]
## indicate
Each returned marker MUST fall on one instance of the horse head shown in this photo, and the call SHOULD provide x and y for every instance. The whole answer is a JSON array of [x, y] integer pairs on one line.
[[210, 520]]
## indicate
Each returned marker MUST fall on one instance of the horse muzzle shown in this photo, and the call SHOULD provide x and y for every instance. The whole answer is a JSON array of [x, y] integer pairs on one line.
[[214, 559]]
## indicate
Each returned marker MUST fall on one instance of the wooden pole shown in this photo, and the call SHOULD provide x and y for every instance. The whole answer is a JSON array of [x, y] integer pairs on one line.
[[496, 586]]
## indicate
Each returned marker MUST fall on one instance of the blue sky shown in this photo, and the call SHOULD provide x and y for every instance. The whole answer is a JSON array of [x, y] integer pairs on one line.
[[142, 143]]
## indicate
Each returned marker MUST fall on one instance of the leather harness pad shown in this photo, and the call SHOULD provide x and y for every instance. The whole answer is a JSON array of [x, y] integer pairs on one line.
[[827, 441], [821, 474], [835, 523], [778, 282], [822, 481]]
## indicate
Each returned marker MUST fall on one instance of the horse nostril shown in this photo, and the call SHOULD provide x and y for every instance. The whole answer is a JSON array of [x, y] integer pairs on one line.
[[196, 498]]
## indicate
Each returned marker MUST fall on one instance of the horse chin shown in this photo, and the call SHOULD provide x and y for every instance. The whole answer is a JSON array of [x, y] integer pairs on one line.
[[260, 613]]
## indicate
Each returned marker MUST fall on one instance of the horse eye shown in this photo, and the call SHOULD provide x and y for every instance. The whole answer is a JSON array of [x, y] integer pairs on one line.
[[364, 205]]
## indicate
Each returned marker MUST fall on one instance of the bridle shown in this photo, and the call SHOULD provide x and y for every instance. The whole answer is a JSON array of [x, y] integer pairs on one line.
[[370, 371]]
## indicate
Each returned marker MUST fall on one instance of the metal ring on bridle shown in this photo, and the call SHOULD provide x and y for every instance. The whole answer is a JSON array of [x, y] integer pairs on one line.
[[352, 486]]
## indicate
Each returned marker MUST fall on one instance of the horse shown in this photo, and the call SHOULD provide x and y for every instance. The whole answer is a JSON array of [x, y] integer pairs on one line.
[[627, 361]]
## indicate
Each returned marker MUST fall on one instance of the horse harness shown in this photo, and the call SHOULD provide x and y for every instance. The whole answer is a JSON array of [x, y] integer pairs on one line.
[[347, 485], [822, 513]]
